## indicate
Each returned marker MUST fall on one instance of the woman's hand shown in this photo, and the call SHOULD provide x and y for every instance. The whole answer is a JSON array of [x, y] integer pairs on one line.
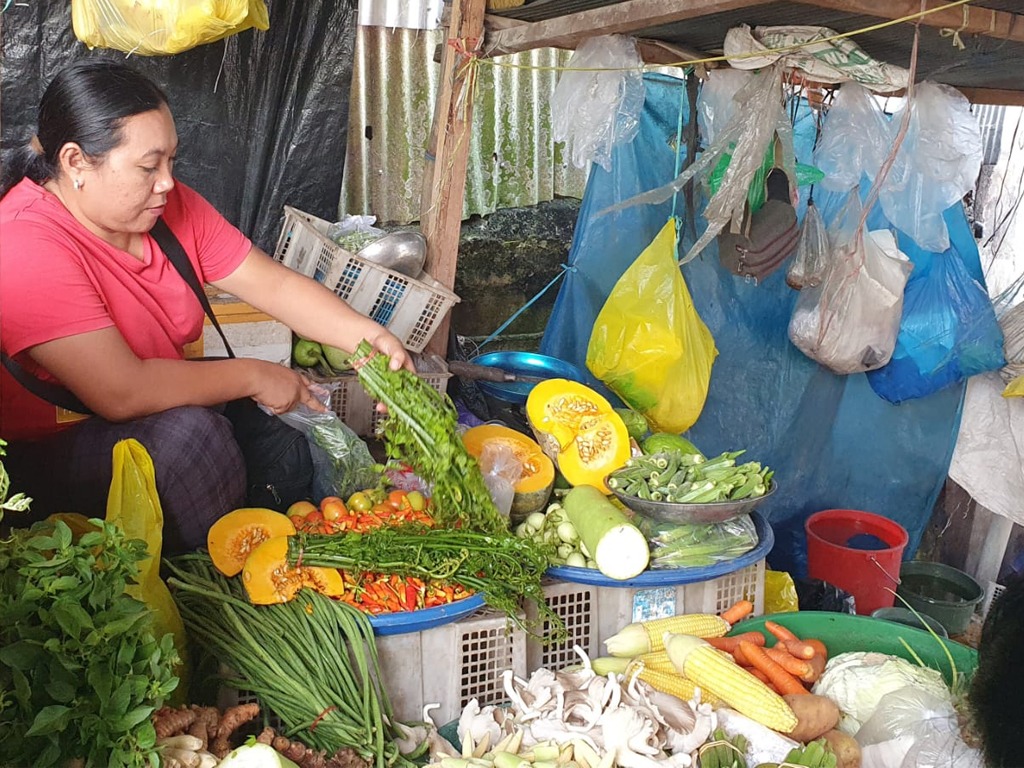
[[388, 344], [280, 389]]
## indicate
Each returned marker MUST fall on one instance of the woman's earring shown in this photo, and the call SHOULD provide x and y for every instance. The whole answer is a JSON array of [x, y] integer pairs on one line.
[[77, 184]]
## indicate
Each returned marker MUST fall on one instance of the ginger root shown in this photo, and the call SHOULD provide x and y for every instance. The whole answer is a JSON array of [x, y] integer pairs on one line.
[[233, 719]]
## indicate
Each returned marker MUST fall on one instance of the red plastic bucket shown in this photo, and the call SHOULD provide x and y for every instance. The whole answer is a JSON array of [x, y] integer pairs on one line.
[[859, 552]]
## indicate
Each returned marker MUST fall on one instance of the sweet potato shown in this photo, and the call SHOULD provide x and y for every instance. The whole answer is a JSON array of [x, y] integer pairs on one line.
[[815, 715], [845, 748]]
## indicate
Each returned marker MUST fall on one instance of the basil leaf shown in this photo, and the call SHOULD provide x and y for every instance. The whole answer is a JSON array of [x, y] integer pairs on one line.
[[54, 717]]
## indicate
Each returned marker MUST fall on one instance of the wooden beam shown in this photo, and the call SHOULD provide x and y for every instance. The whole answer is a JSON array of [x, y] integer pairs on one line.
[[651, 51], [1004, 25], [628, 17], [444, 173], [997, 96]]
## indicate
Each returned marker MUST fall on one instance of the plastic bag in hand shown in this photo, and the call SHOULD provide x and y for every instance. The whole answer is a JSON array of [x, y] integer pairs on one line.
[[849, 323], [592, 111], [163, 27], [342, 463], [808, 267]]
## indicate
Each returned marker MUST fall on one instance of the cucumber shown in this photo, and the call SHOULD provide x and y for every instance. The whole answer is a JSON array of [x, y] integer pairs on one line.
[[617, 546]]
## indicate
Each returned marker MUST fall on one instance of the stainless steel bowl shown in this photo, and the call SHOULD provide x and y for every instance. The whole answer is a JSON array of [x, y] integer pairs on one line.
[[713, 512], [403, 252]]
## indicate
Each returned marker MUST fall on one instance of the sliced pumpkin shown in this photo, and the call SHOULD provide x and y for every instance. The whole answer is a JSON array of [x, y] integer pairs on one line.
[[555, 408], [268, 578], [534, 487], [237, 534], [601, 446], [587, 437]]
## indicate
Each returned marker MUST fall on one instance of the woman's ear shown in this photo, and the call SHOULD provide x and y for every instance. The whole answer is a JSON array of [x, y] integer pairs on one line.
[[73, 161]]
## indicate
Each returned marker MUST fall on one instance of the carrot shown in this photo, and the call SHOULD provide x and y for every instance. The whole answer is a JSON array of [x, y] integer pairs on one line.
[[729, 643], [791, 642], [817, 664], [818, 646], [759, 675], [799, 648], [798, 667], [783, 681], [738, 611]]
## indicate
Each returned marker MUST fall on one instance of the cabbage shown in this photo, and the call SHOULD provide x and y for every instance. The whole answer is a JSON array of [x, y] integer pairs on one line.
[[858, 680]]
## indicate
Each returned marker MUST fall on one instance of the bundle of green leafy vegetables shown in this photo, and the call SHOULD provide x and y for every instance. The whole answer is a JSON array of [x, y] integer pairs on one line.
[[421, 430], [80, 669]]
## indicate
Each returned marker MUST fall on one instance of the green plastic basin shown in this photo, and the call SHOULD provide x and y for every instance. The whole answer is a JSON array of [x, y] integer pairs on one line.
[[843, 632]]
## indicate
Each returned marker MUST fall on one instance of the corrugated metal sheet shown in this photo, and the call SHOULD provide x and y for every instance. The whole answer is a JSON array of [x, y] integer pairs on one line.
[[407, 14], [990, 119], [513, 160]]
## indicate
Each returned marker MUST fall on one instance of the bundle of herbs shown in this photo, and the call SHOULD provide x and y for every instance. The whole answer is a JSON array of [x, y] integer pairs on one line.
[[80, 669], [421, 430], [312, 661], [501, 567]]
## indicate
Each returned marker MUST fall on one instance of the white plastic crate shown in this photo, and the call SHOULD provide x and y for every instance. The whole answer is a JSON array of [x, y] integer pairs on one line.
[[358, 409], [446, 665], [592, 614], [450, 665], [410, 308]]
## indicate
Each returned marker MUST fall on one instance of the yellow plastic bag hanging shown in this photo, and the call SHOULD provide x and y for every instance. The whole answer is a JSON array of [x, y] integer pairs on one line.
[[1015, 388], [134, 506], [163, 27], [649, 345], [780, 593]]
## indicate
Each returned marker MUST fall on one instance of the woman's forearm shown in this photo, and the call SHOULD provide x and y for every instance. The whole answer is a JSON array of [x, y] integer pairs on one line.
[[163, 384]]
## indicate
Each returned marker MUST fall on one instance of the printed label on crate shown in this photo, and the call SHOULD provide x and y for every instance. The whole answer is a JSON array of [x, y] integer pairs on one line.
[[656, 603]]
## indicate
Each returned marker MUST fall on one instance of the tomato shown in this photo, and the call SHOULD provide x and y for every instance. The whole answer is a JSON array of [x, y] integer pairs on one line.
[[297, 520], [416, 500], [316, 516], [384, 510], [398, 499], [332, 508], [359, 501]]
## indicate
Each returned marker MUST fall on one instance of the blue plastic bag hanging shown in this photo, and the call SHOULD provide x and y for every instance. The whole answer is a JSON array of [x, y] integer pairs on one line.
[[948, 331]]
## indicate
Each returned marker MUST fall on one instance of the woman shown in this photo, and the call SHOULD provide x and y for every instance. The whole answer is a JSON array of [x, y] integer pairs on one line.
[[90, 302]]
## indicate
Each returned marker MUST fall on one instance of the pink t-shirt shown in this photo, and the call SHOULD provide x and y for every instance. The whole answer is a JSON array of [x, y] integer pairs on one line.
[[58, 279]]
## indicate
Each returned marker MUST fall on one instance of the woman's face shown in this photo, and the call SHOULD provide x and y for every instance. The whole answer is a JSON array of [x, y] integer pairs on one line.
[[125, 191]]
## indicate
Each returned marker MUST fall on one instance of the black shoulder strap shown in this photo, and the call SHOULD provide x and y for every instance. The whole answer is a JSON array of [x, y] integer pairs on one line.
[[175, 254], [64, 398]]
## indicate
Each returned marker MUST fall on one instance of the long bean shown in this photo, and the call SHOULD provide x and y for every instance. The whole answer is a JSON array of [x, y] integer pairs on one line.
[[311, 662]]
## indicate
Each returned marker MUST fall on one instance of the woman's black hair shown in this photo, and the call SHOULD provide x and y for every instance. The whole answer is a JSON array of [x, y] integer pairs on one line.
[[86, 103], [997, 691]]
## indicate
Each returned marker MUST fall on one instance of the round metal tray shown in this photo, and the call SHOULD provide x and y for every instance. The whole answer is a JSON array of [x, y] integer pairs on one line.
[[426, 618], [666, 577], [713, 512]]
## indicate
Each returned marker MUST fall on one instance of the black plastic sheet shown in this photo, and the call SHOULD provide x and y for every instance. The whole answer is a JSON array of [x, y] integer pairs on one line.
[[262, 117]]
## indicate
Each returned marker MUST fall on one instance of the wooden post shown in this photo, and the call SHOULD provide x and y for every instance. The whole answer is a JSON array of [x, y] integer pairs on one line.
[[444, 176]]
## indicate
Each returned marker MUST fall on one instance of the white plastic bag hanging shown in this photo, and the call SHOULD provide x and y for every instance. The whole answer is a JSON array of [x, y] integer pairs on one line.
[[596, 104], [936, 165], [849, 323]]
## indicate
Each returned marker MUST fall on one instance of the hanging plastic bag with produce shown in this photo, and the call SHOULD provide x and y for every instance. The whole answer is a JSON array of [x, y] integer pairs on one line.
[[134, 506], [649, 345], [342, 463], [163, 27], [849, 323]]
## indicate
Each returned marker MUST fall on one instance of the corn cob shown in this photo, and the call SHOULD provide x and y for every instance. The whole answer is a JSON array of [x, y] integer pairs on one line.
[[720, 677], [671, 683], [658, 660], [644, 637]]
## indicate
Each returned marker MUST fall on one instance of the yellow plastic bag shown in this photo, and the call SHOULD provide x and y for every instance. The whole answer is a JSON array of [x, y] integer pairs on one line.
[[1015, 388], [780, 593], [162, 27], [134, 506], [649, 345]]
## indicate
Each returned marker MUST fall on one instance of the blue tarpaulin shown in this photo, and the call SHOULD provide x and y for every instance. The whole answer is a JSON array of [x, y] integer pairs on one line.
[[833, 442]]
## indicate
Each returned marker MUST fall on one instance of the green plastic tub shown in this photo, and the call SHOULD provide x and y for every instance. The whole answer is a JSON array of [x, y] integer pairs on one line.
[[843, 632], [947, 594]]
